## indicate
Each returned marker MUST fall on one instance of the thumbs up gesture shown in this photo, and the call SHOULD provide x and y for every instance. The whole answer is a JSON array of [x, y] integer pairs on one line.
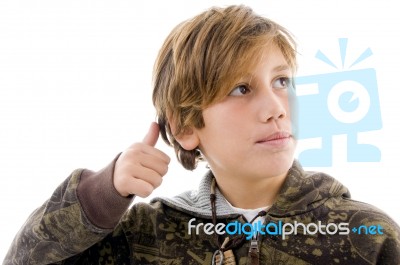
[[140, 168]]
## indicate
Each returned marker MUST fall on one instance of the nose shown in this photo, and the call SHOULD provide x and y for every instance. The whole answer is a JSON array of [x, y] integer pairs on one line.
[[272, 104]]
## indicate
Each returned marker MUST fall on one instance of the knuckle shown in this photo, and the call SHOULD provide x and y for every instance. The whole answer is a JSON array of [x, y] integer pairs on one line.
[[135, 146], [167, 158], [146, 191], [158, 181], [134, 152], [164, 170]]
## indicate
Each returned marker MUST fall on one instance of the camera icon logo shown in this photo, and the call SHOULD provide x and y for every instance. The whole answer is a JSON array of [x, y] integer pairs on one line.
[[344, 102]]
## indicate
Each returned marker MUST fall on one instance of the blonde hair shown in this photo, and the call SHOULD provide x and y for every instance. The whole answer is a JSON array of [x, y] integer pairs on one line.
[[200, 62]]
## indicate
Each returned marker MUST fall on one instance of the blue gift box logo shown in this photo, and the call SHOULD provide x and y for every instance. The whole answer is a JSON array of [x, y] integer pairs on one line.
[[344, 102]]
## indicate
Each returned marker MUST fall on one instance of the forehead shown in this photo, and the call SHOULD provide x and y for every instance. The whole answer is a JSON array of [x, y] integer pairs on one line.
[[269, 59]]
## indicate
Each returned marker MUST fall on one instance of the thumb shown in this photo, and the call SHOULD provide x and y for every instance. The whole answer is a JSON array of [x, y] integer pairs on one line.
[[152, 135]]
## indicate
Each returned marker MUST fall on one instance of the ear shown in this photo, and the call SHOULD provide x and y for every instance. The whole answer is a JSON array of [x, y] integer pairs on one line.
[[187, 138]]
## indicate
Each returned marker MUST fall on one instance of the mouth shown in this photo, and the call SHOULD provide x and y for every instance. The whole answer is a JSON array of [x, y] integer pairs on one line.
[[276, 139]]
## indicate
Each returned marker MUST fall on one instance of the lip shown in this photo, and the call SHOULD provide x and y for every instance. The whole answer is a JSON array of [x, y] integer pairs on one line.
[[276, 139]]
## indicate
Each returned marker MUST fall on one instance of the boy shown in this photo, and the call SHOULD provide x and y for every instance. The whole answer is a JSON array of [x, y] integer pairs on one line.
[[223, 93]]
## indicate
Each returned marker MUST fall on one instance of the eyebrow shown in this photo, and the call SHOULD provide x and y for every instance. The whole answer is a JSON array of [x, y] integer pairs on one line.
[[282, 67], [279, 68]]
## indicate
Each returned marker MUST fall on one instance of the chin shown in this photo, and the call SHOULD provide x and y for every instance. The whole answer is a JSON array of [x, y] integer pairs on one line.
[[279, 167]]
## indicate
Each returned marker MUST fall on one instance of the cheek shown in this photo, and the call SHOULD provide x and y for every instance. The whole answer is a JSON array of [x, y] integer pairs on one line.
[[222, 129], [216, 118], [227, 120]]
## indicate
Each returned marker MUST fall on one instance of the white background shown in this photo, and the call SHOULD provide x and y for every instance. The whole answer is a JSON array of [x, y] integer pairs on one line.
[[75, 89]]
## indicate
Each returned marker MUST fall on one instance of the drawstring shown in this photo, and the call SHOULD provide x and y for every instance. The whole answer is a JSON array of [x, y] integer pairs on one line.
[[224, 254]]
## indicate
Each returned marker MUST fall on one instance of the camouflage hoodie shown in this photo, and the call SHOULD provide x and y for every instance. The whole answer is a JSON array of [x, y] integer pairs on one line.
[[86, 222]]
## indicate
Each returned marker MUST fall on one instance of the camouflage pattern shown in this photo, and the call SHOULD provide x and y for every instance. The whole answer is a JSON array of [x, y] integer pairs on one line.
[[157, 233]]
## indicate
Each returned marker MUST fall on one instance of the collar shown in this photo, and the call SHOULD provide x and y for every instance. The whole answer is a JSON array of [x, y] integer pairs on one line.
[[301, 192]]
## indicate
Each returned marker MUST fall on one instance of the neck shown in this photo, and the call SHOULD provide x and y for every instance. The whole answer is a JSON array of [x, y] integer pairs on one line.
[[250, 193]]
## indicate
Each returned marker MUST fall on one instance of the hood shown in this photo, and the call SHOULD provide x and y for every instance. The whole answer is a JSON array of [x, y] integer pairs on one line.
[[301, 192]]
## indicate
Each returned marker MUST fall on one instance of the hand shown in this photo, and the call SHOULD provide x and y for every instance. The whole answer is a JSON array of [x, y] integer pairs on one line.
[[140, 168]]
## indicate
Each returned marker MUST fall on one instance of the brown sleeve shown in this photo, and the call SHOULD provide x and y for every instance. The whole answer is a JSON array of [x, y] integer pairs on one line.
[[101, 202]]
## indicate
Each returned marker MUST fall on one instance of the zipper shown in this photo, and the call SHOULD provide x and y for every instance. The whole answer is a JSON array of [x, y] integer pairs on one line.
[[253, 257]]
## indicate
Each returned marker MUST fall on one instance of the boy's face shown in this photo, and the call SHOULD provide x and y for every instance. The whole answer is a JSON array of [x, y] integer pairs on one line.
[[248, 134]]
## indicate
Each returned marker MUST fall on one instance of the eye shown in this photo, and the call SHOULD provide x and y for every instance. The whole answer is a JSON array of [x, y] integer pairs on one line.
[[282, 82], [240, 90]]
